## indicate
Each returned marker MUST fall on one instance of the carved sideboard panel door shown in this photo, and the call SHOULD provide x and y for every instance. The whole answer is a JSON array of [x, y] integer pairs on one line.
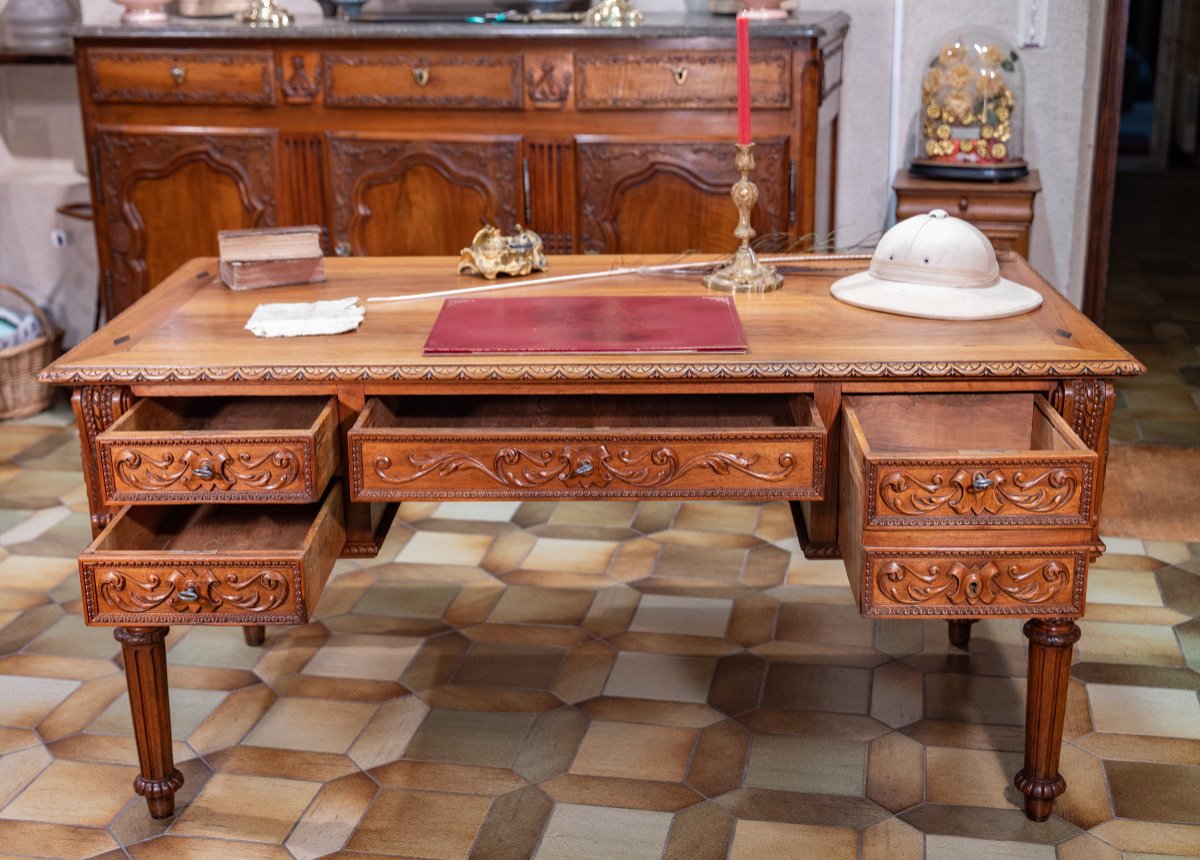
[[650, 197], [395, 196], [164, 195]]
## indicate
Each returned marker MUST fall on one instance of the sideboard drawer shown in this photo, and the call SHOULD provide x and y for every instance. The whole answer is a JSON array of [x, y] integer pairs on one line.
[[436, 79], [679, 79], [638, 446], [212, 564], [965, 461], [228, 77], [972, 582], [238, 449]]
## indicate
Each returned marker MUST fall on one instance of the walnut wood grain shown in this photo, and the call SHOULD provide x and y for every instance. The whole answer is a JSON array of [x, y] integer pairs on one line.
[[1050, 643], [228, 77], [547, 448], [183, 451], [145, 662], [212, 564], [952, 390], [227, 177], [679, 79], [1003, 211], [264, 126], [96, 407], [396, 195]]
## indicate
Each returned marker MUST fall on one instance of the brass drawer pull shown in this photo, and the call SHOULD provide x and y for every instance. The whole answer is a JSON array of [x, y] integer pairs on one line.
[[421, 75], [205, 472], [584, 468], [178, 73], [343, 249], [680, 73], [189, 594], [981, 483]]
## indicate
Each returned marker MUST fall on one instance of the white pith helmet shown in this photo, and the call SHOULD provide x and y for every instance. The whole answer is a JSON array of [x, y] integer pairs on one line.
[[939, 267]]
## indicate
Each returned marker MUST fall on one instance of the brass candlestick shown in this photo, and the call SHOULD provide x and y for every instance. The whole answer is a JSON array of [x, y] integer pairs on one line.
[[745, 274], [264, 13], [613, 13]]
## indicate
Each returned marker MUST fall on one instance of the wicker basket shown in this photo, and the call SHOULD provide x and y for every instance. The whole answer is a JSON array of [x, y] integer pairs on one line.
[[20, 392]]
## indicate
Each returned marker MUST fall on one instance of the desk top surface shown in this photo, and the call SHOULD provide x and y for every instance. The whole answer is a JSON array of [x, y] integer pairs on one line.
[[190, 330]]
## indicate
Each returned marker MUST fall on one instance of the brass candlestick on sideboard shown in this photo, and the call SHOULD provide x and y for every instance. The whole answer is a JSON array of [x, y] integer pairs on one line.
[[745, 274]]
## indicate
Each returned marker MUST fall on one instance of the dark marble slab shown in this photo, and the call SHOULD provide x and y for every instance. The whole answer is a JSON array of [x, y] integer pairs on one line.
[[806, 24]]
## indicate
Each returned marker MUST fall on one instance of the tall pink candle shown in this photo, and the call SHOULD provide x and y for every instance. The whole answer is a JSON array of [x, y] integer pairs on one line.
[[743, 74]]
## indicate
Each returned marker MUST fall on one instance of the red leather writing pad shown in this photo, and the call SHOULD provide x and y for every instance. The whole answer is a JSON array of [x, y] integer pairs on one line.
[[588, 324]]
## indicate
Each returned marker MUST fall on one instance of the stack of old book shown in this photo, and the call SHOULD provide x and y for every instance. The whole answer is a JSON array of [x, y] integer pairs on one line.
[[270, 257]]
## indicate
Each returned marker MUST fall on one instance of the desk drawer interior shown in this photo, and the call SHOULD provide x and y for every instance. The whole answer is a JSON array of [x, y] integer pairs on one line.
[[564, 446], [235, 449], [965, 460], [251, 564]]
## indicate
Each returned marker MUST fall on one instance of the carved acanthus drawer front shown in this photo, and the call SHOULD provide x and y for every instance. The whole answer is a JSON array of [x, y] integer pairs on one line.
[[234, 450], [679, 79], [212, 564], [228, 77], [588, 447], [967, 461], [490, 81], [947, 583]]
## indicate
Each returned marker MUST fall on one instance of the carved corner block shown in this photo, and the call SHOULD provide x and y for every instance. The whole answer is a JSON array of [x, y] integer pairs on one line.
[[96, 407]]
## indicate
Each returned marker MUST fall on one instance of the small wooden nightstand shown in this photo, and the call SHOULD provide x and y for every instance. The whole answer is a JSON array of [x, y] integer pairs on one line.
[[1002, 210]]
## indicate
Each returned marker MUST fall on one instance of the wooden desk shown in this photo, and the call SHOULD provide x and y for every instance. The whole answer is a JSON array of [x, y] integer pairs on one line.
[[957, 467]]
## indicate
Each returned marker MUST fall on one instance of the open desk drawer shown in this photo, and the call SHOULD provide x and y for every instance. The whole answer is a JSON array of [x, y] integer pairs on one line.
[[212, 564], [966, 460], [235, 449], [635, 446]]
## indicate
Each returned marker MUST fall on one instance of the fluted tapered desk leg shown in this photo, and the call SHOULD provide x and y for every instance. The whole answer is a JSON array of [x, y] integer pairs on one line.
[[146, 674], [1050, 642]]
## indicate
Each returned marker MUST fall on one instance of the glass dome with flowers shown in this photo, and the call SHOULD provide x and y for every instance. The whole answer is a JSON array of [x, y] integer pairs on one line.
[[970, 124]]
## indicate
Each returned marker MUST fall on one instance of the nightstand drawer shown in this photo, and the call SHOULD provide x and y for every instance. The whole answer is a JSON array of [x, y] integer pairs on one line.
[[212, 564], [182, 77], [434, 79], [639, 446], [237, 449], [965, 461], [679, 79], [971, 582]]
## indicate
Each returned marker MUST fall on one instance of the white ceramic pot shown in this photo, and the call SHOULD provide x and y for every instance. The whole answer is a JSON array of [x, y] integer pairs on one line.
[[143, 11], [39, 25]]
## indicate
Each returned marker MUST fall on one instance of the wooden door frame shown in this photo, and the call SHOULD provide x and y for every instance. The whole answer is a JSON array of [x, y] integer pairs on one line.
[[1104, 160]]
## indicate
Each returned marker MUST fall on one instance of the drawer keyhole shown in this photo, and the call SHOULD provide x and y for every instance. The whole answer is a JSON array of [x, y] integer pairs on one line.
[[178, 74], [421, 75], [973, 589], [680, 74], [963, 204]]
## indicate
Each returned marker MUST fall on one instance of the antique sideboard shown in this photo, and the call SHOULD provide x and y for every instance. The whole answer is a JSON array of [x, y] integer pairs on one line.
[[957, 467], [405, 139]]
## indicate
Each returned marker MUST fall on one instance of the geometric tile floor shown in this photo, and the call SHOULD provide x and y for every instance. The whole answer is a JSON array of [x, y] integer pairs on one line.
[[608, 681]]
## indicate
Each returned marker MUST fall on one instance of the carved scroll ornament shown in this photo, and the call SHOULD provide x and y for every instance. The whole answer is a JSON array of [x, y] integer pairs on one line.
[[967, 584], [578, 466], [213, 469], [978, 493], [196, 591]]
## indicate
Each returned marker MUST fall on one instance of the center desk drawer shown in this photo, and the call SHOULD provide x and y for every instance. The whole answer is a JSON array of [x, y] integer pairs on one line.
[[238, 449], [212, 564], [637, 446]]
